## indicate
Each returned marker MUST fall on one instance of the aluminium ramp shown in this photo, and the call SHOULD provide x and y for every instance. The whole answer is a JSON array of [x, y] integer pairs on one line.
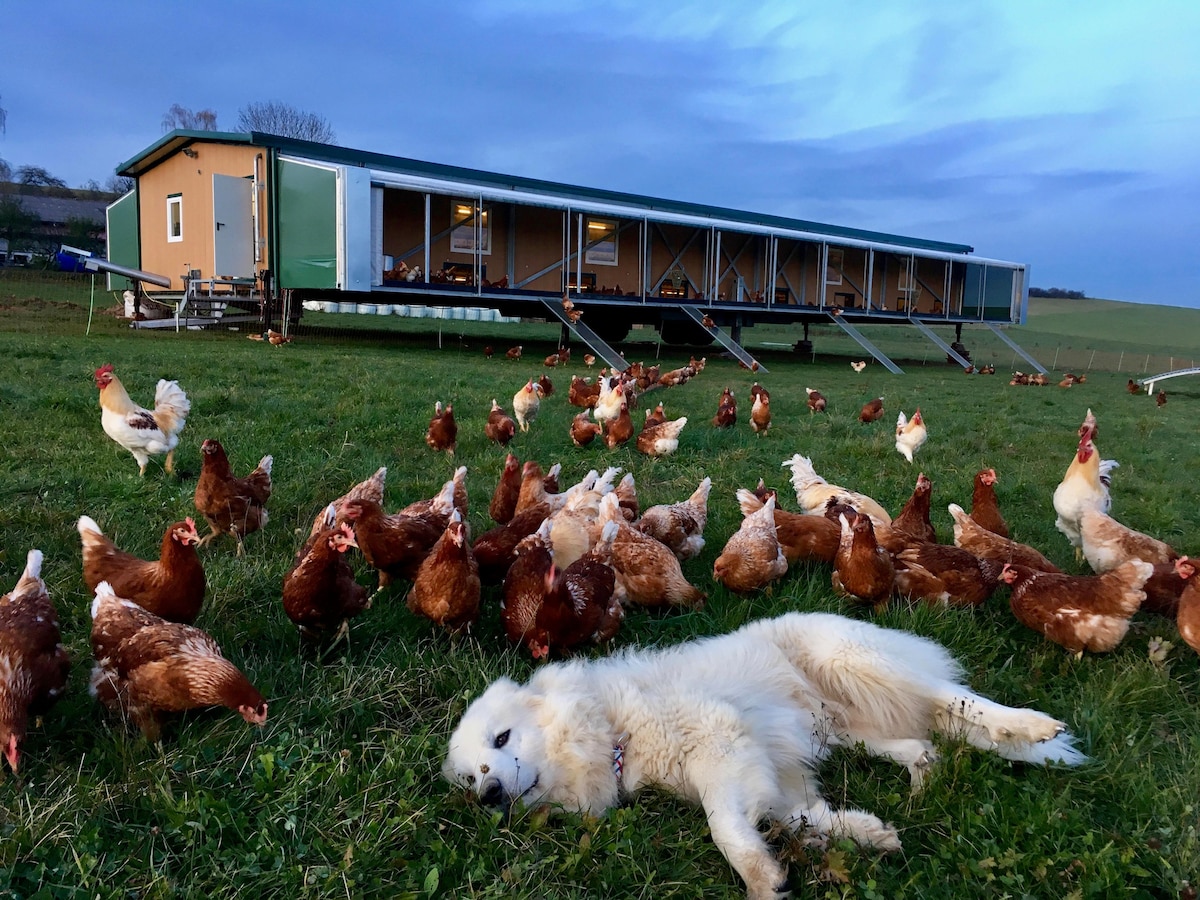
[[1154, 379], [932, 335], [595, 343], [725, 340], [1020, 351], [841, 323]]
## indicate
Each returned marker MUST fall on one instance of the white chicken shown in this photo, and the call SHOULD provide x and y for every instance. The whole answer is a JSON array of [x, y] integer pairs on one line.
[[813, 492], [143, 432], [910, 434], [526, 404], [1084, 486], [608, 402]]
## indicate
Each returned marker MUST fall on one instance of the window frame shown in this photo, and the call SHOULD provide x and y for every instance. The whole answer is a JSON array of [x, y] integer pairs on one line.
[[174, 201], [462, 231], [830, 271], [598, 253]]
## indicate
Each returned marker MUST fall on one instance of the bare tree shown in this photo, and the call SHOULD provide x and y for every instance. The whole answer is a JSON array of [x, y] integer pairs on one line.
[[120, 184], [36, 175], [5, 171], [274, 117], [3, 119], [189, 120]]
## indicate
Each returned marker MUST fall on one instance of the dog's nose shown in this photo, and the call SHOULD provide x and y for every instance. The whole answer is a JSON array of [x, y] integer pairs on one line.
[[492, 793]]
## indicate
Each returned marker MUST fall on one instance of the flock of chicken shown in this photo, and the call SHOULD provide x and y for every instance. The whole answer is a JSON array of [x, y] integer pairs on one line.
[[568, 562]]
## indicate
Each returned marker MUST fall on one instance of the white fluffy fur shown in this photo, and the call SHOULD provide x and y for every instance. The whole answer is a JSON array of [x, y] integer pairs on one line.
[[737, 724]]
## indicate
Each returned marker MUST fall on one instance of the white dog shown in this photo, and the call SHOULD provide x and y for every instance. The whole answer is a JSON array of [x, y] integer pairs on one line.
[[737, 724]]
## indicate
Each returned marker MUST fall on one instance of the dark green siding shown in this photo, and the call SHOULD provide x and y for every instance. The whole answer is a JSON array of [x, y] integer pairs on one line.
[[123, 247], [307, 226]]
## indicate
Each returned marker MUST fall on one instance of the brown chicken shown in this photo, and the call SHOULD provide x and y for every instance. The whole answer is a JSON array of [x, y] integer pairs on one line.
[[446, 590], [579, 606], [583, 429], [319, 592], [526, 584], [589, 360], [368, 489], [534, 490], [760, 414], [620, 429], [680, 526], [504, 499], [546, 385], [1080, 612], [1160, 399], [661, 439], [1188, 616], [726, 416], [914, 518], [816, 401], [803, 538], [500, 427], [231, 505], [985, 508], [752, 557], [648, 574], [35, 668], [396, 545], [550, 361], [946, 575], [443, 430], [655, 416], [582, 394], [514, 352], [988, 545], [862, 569], [1132, 387], [626, 492], [171, 587], [1107, 543], [495, 550], [1165, 586], [872, 411], [757, 390], [147, 666]]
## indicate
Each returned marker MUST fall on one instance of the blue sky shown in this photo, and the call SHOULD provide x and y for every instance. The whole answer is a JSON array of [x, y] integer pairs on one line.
[[1059, 134]]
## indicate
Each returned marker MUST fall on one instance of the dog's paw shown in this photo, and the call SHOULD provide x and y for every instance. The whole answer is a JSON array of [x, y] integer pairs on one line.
[[1024, 726], [919, 769]]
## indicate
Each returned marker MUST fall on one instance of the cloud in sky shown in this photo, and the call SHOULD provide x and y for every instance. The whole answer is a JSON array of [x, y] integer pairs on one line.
[[1061, 135]]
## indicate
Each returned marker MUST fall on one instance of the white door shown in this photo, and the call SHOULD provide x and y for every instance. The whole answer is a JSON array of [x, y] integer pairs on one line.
[[233, 227]]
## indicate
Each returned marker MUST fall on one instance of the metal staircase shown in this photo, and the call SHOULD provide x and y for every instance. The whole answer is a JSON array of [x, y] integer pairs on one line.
[[932, 335], [1020, 351], [594, 342], [841, 323], [724, 339]]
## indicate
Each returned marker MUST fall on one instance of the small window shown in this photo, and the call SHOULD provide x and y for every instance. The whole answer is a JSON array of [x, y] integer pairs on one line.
[[833, 266], [907, 280], [175, 218], [463, 228], [601, 242]]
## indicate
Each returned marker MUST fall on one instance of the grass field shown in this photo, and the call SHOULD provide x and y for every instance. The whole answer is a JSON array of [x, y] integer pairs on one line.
[[339, 795]]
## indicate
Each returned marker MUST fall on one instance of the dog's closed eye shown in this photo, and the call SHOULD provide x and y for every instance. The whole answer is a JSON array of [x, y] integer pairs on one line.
[[501, 739]]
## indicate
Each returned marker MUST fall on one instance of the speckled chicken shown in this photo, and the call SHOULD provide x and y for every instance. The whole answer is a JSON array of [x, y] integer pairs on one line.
[[446, 589], [236, 506], [802, 538], [648, 574], [1107, 543], [1079, 612], [172, 586], [147, 667], [320, 594], [969, 535], [680, 526], [33, 663], [752, 557]]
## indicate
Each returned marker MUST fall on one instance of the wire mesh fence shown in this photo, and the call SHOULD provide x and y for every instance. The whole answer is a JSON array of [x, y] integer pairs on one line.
[[56, 303]]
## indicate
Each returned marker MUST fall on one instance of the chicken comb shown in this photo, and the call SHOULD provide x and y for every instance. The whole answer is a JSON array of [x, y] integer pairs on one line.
[[346, 530], [191, 523], [104, 369]]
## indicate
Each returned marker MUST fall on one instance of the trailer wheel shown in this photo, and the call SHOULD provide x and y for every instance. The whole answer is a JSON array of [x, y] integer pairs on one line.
[[609, 328]]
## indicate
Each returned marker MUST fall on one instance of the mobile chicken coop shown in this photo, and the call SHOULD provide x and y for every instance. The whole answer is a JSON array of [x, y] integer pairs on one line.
[[256, 226]]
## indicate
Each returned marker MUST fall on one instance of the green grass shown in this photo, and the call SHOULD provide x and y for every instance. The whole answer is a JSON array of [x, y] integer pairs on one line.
[[339, 795]]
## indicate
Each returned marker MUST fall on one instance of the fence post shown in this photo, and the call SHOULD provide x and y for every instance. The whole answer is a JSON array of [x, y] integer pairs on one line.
[[1090, 360], [1054, 365], [1121, 361]]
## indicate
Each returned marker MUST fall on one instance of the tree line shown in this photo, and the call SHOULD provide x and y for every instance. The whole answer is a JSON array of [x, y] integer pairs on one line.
[[1057, 293]]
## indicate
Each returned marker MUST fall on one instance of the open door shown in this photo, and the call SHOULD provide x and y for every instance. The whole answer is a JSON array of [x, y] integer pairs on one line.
[[233, 227]]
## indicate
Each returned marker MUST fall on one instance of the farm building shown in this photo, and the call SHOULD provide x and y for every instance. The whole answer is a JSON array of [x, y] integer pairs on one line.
[[263, 226]]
